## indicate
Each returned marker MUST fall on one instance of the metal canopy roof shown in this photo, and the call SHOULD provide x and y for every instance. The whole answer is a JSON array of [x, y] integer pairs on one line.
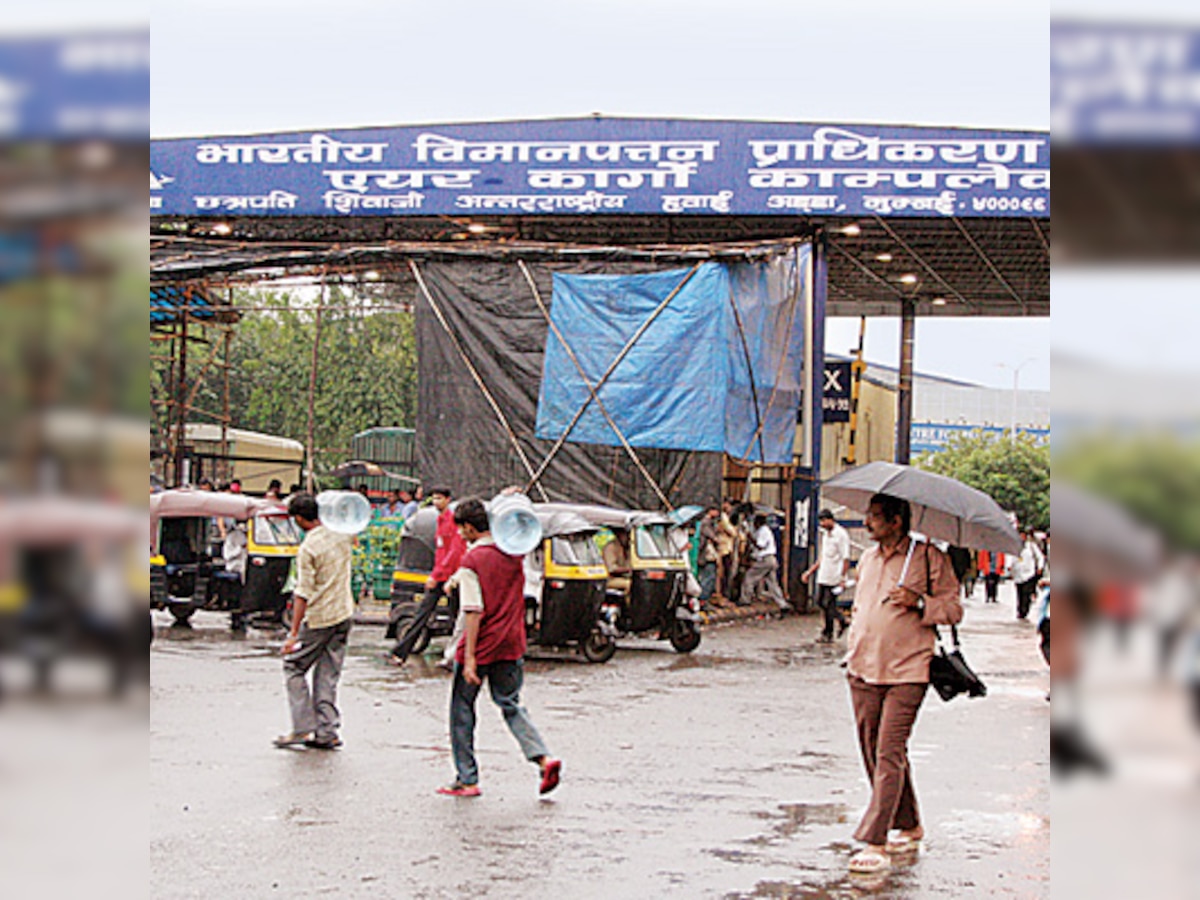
[[952, 266]]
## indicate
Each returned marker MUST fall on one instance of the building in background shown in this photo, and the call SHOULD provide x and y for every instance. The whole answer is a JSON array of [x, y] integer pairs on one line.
[[942, 407]]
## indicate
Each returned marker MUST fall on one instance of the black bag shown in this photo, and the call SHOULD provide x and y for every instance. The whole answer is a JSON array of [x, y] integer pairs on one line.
[[949, 673]]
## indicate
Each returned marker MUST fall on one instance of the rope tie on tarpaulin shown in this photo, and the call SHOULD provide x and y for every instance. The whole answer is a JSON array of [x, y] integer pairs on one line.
[[587, 383], [608, 373], [512, 437]]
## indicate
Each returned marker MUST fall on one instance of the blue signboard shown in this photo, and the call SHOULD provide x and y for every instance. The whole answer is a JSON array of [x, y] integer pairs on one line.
[[1124, 84], [835, 398], [607, 166], [85, 85], [929, 437]]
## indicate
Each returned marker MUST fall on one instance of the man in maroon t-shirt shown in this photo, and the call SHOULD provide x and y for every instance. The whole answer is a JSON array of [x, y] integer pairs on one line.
[[491, 597]]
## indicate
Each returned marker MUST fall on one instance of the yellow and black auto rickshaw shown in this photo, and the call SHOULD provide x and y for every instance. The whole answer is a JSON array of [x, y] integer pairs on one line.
[[573, 576], [184, 577], [647, 589]]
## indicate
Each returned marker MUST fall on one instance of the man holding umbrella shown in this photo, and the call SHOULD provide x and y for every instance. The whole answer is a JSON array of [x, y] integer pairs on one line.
[[904, 588]]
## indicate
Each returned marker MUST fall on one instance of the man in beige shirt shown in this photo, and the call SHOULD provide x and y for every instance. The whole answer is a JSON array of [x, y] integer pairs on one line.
[[904, 589], [322, 608]]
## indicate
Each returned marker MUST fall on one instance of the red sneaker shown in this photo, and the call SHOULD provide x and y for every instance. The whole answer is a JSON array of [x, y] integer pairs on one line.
[[550, 775], [458, 789]]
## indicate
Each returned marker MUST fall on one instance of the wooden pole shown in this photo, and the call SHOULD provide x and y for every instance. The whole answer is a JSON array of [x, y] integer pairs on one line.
[[312, 391]]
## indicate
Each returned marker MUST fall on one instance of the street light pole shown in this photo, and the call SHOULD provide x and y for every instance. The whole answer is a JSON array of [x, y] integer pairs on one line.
[[1016, 370]]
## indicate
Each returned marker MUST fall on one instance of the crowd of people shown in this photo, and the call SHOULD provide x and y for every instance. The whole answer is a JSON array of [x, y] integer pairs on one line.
[[904, 587]]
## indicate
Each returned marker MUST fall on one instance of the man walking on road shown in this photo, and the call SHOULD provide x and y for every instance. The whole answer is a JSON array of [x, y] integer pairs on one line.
[[490, 584], [763, 570], [322, 609], [991, 567], [831, 568], [447, 555], [1026, 569], [904, 589]]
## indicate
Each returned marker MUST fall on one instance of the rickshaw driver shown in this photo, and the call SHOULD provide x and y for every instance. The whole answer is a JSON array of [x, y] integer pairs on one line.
[[616, 560]]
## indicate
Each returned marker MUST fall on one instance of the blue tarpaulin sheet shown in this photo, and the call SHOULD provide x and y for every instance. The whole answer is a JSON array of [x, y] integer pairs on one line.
[[686, 383]]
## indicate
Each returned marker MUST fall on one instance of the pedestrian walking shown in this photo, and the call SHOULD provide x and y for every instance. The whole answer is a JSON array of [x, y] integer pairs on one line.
[[322, 607], [991, 566], [831, 569], [448, 552], [491, 597], [763, 571], [903, 590], [1026, 570]]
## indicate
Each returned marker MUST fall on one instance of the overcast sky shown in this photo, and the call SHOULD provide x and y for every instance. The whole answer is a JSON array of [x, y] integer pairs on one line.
[[240, 66]]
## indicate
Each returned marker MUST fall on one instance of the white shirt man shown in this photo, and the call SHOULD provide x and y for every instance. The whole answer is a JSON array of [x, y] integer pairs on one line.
[[761, 574], [831, 567], [835, 555]]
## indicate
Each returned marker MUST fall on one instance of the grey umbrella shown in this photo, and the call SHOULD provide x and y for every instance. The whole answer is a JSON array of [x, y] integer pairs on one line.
[[942, 508], [1098, 540]]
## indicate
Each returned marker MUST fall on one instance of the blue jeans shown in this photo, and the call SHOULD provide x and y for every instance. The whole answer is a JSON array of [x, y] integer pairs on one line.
[[504, 681]]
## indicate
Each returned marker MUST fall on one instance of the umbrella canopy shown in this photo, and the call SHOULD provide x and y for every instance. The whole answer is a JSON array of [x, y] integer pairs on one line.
[[1097, 539], [361, 468], [942, 508]]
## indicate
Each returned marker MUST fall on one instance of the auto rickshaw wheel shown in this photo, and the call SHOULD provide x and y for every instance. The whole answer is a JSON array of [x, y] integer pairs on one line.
[[599, 647], [181, 612], [684, 636]]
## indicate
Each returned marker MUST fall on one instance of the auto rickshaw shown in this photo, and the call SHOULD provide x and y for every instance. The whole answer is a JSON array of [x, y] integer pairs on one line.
[[414, 562], [572, 588], [272, 541], [653, 598], [184, 577], [67, 587]]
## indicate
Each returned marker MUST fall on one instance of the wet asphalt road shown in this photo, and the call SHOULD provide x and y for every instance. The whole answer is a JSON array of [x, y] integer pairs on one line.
[[732, 772]]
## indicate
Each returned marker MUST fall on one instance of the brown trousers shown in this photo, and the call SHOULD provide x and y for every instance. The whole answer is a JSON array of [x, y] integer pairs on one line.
[[885, 715]]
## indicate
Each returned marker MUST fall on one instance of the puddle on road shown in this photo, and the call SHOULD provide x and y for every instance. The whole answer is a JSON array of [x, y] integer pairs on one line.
[[703, 661], [847, 887], [807, 654], [793, 818], [804, 761], [991, 829]]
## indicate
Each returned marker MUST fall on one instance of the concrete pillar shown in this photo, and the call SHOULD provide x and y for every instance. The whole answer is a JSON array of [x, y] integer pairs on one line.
[[904, 399]]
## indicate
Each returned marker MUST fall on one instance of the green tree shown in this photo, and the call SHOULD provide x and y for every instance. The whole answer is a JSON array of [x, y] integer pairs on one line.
[[1016, 474], [1156, 478], [366, 370]]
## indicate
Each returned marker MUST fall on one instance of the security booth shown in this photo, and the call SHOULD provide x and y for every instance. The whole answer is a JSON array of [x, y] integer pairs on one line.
[[623, 311]]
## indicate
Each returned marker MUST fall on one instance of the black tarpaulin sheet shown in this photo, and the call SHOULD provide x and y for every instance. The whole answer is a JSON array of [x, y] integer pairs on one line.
[[490, 309]]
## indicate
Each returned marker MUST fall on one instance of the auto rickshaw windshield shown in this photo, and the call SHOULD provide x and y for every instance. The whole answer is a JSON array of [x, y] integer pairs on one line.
[[276, 531], [654, 542], [575, 550]]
